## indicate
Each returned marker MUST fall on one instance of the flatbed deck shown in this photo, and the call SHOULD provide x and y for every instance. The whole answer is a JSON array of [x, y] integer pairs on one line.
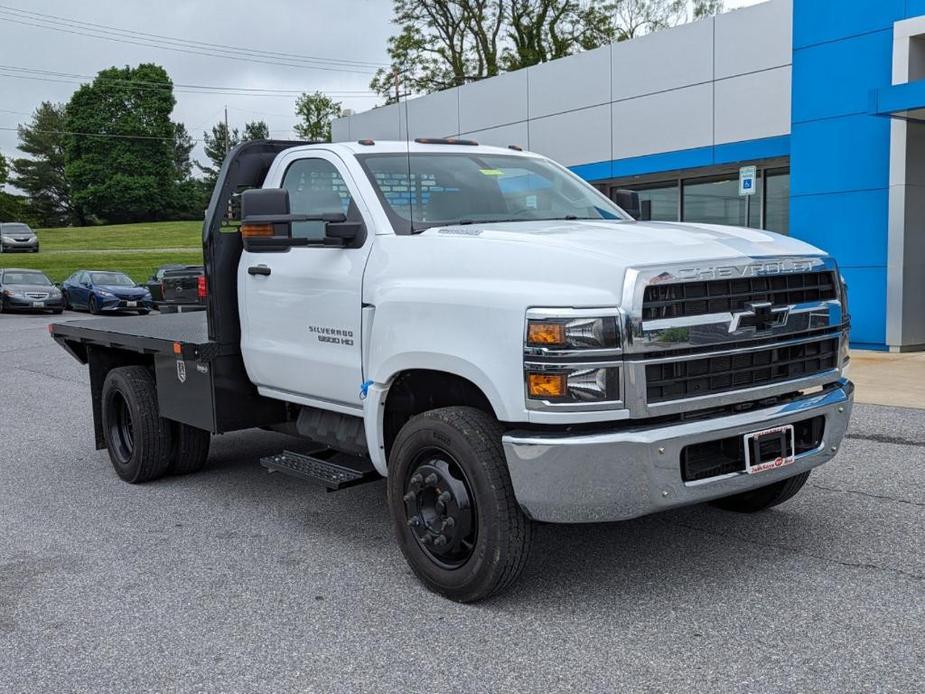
[[156, 334]]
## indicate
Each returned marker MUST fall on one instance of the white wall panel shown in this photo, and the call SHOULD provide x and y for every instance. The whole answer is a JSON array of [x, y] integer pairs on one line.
[[514, 134], [753, 106], [435, 115], [493, 102], [580, 81], [340, 130], [384, 123], [576, 137], [754, 38], [679, 119], [668, 59]]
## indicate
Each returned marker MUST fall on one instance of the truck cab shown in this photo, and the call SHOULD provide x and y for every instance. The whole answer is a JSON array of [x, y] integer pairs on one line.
[[501, 341]]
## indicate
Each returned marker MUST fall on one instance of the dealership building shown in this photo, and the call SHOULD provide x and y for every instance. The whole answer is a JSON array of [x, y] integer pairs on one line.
[[826, 99]]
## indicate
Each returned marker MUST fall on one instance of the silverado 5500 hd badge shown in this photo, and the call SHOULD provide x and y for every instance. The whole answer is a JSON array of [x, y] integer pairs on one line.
[[334, 336]]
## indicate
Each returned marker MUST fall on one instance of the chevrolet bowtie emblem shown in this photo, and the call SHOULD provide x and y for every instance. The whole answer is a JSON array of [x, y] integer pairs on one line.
[[760, 316]]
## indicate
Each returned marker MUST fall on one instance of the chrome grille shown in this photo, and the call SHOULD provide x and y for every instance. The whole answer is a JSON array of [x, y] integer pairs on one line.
[[685, 299], [37, 295], [711, 375]]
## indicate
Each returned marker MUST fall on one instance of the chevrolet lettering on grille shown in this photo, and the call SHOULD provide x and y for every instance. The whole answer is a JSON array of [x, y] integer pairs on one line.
[[761, 316]]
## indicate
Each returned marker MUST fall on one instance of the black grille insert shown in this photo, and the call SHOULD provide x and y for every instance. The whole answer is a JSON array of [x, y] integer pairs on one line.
[[701, 461], [718, 374], [685, 299]]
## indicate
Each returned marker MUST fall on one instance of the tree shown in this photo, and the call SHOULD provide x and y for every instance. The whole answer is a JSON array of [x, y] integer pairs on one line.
[[707, 8], [121, 159], [182, 148], [315, 112], [41, 174], [446, 43], [4, 171], [256, 130], [217, 144]]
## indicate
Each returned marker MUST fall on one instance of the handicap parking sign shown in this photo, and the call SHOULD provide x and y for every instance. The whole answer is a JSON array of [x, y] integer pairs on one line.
[[747, 177]]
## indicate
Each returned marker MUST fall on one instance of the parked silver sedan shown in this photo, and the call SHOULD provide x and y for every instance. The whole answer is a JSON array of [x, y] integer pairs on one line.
[[16, 236]]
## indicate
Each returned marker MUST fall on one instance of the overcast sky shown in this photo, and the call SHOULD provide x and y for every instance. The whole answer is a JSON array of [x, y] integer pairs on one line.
[[336, 30]]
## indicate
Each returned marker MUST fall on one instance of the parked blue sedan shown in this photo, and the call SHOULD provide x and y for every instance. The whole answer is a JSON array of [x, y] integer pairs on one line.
[[102, 290]]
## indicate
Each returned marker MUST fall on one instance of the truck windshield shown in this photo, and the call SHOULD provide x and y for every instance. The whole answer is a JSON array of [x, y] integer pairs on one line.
[[434, 189]]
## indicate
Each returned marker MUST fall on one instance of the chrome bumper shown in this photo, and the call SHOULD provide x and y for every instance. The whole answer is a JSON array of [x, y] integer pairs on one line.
[[608, 476]]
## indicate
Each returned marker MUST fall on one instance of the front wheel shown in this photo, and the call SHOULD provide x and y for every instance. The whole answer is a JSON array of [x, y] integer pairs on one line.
[[93, 305], [453, 507], [763, 497]]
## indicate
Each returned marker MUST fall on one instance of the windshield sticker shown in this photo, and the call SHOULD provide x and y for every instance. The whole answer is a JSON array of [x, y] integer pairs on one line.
[[492, 172]]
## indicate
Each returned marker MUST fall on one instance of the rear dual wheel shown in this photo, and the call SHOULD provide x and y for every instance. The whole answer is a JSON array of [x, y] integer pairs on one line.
[[144, 446], [452, 504]]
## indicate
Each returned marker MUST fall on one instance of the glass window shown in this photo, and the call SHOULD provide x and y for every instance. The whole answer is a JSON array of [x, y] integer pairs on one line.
[[717, 201], [316, 187], [426, 190], [777, 195], [659, 201]]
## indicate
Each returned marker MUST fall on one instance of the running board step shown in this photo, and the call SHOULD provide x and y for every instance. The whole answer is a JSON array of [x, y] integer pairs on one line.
[[328, 468]]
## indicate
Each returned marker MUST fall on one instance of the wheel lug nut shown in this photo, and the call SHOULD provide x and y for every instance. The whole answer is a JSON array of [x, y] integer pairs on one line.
[[416, 480], [425, 540], [448, 523], [431, 479], [414, 522], [440, 541], [409, 497], [445, 497]]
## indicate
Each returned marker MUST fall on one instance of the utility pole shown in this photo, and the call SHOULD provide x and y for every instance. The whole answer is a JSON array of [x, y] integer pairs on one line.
[[397, 79], [227, 133]]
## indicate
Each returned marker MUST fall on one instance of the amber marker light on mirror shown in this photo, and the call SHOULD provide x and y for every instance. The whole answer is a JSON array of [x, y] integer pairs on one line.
[[256, 230]]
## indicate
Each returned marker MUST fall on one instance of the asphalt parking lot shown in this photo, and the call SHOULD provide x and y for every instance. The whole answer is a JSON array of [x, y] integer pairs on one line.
[[236, 580]]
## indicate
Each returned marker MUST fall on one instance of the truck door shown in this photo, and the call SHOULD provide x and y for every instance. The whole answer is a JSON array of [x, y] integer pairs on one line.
[[301, 308]]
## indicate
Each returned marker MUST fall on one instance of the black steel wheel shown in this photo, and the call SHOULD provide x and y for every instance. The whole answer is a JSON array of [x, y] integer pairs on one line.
[[439, 508], [456, 520], [138, 439]]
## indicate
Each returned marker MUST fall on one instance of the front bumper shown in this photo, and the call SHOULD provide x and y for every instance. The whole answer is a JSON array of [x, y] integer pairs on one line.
[[16, 303], [115, 304], [13, 245], [616, 475]]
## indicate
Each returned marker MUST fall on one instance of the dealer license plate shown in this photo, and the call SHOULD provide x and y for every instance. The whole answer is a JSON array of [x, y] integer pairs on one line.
[[131, 304], [38, 304], [769, 449]]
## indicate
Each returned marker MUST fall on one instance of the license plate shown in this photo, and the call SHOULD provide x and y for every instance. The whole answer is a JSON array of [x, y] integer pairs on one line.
[[769, 449], [131, 304], [38, 304]]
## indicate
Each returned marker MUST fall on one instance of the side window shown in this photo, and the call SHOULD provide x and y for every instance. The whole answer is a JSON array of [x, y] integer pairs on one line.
[[316, 187]]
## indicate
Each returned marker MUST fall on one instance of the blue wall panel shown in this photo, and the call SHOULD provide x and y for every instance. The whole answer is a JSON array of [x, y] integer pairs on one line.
[[847, 225], [835, 63], [817, 21], [834, 155], [867, 303]]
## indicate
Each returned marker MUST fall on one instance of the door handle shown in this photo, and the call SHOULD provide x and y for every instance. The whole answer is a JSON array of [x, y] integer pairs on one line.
[[258, 270]]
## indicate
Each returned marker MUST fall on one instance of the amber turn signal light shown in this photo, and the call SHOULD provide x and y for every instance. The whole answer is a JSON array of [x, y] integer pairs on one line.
[[546, 334], [252, 230], [546, 385]]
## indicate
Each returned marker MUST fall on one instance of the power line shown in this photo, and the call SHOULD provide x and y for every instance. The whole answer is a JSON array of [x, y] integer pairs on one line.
[[66, 77], [94, 26], [151, 44]]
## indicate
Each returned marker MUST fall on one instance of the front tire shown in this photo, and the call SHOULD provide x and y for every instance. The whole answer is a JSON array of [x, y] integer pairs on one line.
[[138, 439], [452, 504], [93, 306], [763, 497]]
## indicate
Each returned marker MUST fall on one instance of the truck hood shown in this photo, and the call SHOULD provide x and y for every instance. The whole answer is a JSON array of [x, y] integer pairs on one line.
[[634, 244]]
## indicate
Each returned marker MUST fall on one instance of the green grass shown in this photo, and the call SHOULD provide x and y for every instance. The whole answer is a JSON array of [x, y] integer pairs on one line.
[[135, 249]]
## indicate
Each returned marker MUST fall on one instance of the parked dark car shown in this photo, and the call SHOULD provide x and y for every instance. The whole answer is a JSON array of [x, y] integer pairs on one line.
[[15, 236], [100, 291], [183, 289], [154, 284], [28, 290]]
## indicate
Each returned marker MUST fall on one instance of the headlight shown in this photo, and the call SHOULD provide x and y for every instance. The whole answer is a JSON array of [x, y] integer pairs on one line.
[[11, 293], [102, 292], [579, 384], [573, 333]]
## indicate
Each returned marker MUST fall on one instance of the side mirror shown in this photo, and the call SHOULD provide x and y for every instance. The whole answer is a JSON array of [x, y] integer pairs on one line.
[[266, 223], [629, 201]]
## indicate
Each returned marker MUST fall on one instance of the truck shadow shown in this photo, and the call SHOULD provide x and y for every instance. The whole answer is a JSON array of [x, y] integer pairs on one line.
[[666, 556]]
